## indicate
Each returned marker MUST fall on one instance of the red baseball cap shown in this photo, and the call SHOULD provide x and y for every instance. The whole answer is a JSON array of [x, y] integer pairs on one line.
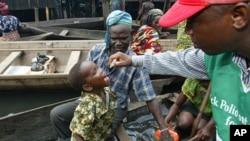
[[183, 9]]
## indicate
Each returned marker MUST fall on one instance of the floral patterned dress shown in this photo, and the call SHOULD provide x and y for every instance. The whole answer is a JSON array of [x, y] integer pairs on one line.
[[146, 39]]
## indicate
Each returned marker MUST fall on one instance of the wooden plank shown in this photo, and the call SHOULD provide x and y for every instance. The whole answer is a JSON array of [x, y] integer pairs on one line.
[[167, 44], [37, 37], [64, 32], [73, 59], [82, 44], [8, 60]]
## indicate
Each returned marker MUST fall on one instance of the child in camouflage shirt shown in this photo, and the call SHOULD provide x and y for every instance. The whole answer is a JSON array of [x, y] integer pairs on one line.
[[93, 117]]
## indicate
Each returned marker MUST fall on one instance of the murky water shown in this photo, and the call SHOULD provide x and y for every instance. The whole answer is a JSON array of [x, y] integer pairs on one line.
[[19, 100]]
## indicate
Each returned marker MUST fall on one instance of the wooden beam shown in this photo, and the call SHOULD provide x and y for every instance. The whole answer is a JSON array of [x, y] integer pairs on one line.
[[73, 59], [93, 8], [36, 11], [8, 60], [167, 44], [47, 13], [64, 32]]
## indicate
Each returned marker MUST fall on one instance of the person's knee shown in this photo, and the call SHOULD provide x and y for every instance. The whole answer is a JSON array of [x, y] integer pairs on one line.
[[183, 125], [55, 115], [120, 114]]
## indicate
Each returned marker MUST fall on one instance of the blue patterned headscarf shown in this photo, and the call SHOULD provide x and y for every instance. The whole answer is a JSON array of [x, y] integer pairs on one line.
[[116, 17]]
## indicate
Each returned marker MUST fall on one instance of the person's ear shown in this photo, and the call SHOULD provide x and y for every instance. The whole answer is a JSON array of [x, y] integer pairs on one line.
[[240, 15], [87, 87]]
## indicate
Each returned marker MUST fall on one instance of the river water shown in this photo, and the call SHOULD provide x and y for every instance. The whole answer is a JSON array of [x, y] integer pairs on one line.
[[15, 101]]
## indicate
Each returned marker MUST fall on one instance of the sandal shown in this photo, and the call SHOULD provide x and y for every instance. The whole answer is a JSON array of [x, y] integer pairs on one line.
[[42, 58], [36, 66]]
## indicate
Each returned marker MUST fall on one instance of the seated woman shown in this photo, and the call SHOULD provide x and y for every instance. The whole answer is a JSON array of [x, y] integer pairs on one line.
[[187, 107], [9, 25], [147, 37]]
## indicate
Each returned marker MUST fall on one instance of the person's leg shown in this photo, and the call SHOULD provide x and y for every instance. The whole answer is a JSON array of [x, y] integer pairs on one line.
[[61, 116], [118, 120], [185, 119]]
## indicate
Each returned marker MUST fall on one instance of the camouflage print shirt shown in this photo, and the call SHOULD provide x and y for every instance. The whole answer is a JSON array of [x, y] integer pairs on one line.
[[93, 118]]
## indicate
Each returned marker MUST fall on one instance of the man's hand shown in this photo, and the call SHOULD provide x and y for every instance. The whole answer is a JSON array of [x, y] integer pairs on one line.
[[120, 59]]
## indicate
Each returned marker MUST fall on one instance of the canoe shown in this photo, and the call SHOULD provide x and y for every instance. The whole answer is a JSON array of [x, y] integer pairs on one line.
[[85, 23], [60, 33], [35, 124], [16, 58]]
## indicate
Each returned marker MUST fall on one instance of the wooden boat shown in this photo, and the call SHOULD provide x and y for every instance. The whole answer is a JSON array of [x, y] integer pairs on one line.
[[65, 33], [60, 33], [84, 23], [16, 57], [35, 124]]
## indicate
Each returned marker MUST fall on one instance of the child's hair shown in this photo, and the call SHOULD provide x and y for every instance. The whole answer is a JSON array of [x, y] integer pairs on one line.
[[75, 78]]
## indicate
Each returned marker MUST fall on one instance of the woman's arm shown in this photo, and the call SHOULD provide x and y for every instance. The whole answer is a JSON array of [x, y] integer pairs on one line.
[[140, 12], [174, 109]]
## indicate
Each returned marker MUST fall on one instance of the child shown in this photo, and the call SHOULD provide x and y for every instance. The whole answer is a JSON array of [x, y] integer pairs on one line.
[[93, 117], [143, 12], [117, 5], [187, 107]]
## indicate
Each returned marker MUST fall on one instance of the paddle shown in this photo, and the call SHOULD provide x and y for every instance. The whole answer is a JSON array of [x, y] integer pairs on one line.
[[204, 103]]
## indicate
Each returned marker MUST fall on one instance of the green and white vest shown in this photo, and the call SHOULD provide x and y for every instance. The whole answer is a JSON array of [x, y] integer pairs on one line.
[[230, 102]]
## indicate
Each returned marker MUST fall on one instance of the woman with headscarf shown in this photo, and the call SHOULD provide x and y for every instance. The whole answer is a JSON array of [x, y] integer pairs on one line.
[[9, 25], [146, 39]]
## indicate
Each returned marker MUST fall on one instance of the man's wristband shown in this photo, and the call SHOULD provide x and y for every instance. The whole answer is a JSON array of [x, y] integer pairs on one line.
[[165, 129]]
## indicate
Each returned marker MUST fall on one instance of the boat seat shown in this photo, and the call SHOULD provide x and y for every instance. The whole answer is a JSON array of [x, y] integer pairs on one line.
[[73, 59], [9, 59]]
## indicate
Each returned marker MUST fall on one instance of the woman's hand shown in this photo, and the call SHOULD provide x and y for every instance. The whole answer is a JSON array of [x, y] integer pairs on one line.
[[120, 59]]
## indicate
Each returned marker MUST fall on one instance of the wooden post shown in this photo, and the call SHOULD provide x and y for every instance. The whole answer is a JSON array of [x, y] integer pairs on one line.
[[36, 14], [52, 16], [203, 105], [47, 13], [93, 8], [105, 8]]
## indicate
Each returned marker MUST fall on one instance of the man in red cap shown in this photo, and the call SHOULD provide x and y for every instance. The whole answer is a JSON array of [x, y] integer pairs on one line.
[[220, 31]]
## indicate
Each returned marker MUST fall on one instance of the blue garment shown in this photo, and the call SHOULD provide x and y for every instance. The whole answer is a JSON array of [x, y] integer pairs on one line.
[[125, 79], [9, 23]]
